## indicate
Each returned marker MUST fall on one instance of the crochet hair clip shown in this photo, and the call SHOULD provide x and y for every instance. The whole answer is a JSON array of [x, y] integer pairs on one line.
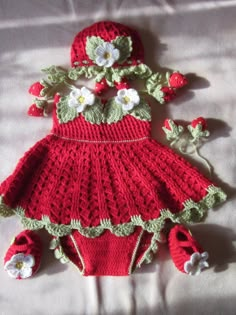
[[188, 142]]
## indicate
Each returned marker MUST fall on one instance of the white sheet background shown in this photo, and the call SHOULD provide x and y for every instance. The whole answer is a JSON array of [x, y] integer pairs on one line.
[[196, 37]]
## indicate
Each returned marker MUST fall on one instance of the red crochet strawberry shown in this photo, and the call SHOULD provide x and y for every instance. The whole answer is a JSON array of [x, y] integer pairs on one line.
[[38, 108], [167, 124], [177, 80], [169, 93], [101, 86], [36, 88], [122, 85], [35, 111], [201, 121]]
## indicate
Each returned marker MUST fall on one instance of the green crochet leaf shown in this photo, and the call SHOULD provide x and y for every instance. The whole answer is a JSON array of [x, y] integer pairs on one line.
[[5, 211], [76, 73], [113, 112], [58, 253], [54, 243], [93, 114], [91, 44], [141, 72], [46, 89], [124, 44], [197, 132], [64, 112], [153, 85], [55, 74], [40, 103], [142, 111]]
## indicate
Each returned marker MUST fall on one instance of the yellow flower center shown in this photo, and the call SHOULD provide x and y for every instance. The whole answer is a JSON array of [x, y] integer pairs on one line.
[[19, 265], [107, 55], [126, 99], [81, 99]]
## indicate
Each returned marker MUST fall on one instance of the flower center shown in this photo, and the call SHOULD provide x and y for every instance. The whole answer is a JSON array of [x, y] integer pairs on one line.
[[81, 99], [107, 55], [126, 99], [19, 265]]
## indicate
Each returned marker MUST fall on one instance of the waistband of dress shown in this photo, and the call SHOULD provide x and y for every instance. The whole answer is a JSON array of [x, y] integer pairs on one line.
[[100, 141]]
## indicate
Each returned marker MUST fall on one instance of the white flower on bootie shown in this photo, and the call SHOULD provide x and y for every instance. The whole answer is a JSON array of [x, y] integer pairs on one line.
[[80, 98], [20, 266], [106, 55], [127, 98], [196, 264]]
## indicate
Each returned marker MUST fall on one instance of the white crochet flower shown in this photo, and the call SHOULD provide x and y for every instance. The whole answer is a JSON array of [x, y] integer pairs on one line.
[[127, 98], [196, 264], [106, 54], [20, 266], [80, 98]]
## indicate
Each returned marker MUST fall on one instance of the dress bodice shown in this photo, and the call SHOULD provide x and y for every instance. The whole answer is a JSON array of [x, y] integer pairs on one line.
[[128, 128]]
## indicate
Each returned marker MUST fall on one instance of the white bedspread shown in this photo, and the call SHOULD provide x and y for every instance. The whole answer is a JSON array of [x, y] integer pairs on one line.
[[199, 39]]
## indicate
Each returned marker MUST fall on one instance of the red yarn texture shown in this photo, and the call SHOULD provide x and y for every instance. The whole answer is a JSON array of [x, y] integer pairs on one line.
[[106, 254], [28, 243], [182, 245], [65, 178], [108, 31]]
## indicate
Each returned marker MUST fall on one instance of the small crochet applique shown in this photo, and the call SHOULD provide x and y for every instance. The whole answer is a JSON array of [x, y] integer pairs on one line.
[[188, 142]]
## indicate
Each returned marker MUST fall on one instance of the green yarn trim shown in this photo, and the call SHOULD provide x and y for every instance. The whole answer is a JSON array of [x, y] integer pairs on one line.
[[59, 254], [110, 74], [192, 212], [154, 85], [55, 75], [5, 211], [95, 114]]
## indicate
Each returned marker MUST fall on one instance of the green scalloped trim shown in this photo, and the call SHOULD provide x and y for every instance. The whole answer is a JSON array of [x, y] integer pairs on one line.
[[192, 212], [110, 74]]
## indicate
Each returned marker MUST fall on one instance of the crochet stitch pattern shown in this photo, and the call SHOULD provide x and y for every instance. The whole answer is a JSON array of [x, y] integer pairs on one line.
[[98, 183]]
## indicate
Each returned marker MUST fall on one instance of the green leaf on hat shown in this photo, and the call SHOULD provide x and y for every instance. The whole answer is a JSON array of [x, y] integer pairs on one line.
[[91, 44], [124, 44]]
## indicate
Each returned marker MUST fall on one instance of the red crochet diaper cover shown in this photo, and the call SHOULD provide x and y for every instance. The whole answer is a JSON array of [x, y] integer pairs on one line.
[[98, 183]]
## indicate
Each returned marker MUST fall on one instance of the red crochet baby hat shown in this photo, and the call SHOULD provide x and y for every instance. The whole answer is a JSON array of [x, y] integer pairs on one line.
[[107, 31]]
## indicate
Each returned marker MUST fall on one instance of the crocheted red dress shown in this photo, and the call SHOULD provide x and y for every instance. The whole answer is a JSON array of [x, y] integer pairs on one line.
[[102, 186]]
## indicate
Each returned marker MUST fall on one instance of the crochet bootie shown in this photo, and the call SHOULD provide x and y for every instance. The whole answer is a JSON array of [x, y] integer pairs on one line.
[[186, 253], [23, 257]]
